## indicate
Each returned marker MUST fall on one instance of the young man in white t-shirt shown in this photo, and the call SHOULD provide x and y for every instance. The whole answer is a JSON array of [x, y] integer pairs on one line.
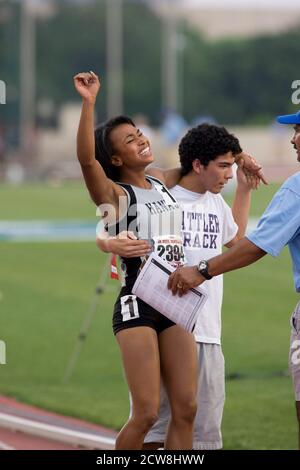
[[207, 154]]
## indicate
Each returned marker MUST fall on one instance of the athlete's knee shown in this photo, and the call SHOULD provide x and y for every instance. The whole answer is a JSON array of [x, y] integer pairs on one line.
[[185, 411], [145, 418]]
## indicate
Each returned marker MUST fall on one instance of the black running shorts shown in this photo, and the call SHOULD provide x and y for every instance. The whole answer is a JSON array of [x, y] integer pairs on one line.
[[130, 312]]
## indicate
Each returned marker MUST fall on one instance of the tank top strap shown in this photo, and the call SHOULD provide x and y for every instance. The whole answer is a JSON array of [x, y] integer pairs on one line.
[[163, 188], [130, 215], [155, 180]]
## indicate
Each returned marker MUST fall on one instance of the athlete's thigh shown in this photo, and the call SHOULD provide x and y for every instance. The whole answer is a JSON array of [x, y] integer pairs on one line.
[[141, 362], [179, 362]]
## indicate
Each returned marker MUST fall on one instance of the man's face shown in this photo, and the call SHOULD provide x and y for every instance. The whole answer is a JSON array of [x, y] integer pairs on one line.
[[296, 140], [218, 172]]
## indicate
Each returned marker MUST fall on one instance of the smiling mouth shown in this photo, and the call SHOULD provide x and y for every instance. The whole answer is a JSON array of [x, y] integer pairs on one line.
[[145, 153]]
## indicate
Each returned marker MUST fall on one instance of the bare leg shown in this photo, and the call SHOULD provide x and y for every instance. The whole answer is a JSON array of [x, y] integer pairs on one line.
[[153, 445], [140, 355], [179, 369]]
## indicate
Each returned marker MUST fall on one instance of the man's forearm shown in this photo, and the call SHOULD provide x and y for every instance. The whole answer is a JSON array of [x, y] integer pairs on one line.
[[240, 255]]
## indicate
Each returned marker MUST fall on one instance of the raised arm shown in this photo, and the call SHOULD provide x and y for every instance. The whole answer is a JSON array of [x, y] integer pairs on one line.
[[251, 166], [101, 189], [241, 204]]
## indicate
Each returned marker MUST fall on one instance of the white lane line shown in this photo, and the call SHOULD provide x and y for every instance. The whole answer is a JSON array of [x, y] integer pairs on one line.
[[57, 433], [4, 446]]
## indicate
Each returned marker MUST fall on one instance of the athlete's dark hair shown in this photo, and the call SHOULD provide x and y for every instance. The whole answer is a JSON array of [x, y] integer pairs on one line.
[[103, 146], [206, 142]]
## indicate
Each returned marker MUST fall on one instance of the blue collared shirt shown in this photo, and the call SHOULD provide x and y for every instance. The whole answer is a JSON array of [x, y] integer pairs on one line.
[[280, 224]]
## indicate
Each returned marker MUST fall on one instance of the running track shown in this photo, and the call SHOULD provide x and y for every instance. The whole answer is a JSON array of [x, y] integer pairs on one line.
[[24, 427]]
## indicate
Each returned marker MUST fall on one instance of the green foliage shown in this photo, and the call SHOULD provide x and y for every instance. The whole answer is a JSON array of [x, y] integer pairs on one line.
[[9, 65], [76, 38], [240, 81], [142, 61], [71, 41]]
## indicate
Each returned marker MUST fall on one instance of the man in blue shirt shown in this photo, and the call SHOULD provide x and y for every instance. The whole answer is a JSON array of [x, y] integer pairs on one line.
[[279, 226]]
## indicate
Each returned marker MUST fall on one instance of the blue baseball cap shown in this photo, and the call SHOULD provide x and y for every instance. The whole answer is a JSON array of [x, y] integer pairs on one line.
[[289, 118]]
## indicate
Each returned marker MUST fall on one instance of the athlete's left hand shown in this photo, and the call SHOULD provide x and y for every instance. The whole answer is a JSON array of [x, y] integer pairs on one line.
[[245, 179], [251, 166]]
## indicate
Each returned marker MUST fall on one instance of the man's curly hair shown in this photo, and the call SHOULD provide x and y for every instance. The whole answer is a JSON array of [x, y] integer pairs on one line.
[[206, 142]]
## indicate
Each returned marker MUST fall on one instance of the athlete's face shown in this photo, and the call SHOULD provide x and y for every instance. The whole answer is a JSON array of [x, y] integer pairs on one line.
[[296, 140], [131, 147], [217, 173]]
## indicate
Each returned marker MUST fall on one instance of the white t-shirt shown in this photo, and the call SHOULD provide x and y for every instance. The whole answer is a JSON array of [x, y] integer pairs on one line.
[[207, 225]]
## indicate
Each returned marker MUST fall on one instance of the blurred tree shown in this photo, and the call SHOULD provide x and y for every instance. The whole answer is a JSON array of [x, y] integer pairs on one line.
[[241, 81], [10, 70], [142, 61], [236, 81], [70, 41], [74, 40]]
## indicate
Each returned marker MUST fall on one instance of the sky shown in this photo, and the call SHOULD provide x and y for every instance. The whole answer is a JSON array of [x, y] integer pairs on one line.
[[272, 4]]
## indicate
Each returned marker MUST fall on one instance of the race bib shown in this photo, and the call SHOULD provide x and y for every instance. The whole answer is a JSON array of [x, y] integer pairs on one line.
[[170, 248]]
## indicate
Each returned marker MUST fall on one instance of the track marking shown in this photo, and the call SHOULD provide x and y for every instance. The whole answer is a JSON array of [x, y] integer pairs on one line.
[[4, 446], [57, 433]]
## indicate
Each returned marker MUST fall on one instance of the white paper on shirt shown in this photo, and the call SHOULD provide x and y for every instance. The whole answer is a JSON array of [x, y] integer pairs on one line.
[[151, 287]]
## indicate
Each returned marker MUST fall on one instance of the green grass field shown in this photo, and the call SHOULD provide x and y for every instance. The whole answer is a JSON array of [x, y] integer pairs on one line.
[[46, 290]]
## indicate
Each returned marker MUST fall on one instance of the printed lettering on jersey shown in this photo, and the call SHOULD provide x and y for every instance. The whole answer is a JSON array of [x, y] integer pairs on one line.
[[200, 230]]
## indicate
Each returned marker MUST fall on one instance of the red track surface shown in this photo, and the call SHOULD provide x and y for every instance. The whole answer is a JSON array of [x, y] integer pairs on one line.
[[10, 440]]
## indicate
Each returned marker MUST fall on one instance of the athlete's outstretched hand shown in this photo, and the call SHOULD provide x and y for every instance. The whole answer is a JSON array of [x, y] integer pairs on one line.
[[246, 179], [251, 166], [87, 85]]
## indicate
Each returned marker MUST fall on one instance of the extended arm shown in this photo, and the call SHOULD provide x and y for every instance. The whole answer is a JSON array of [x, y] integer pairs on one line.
[[171, 177], [241, 204], [251, 166], [241, 254], [101, 189]]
